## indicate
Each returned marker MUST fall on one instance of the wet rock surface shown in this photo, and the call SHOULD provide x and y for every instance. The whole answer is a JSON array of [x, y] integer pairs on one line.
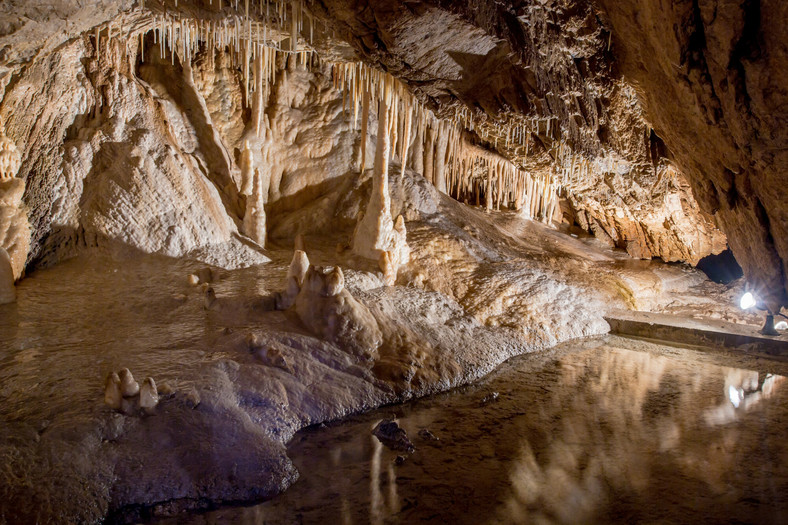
[[242, 377], [607, 430], [393, 436], [713, 76]]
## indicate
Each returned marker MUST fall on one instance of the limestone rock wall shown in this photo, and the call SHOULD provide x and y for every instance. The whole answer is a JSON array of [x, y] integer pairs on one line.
[[548, 64], [156, 154], [712, 75]]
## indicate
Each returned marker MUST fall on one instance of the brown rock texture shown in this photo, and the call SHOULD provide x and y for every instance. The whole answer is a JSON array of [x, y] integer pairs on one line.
[[547, 63], [713, 79], [625, 110]]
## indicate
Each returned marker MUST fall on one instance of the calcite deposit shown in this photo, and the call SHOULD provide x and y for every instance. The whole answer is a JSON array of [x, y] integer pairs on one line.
[[288, 211], [14, 226]]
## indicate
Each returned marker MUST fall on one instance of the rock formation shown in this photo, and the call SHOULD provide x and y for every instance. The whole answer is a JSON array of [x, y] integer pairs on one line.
[[14, 226], [328, 310], [294, 280], [376, 235], [148, 140], [149, 395], [128, 386], [113, 396], [712, 77]]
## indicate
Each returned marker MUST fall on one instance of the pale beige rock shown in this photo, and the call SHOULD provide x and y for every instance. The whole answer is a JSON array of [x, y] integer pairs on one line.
[[335, 282], [9, 157], [149, 395], [112, 391], [376, 234], [387, 267], [298, 266], [294, 280], [128, 386], [337, 318], [14, 225]]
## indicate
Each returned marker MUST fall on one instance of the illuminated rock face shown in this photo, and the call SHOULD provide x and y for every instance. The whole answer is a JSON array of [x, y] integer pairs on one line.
[[192, 132], [244, 142], [14, 227], [708, 81], [712, 75]]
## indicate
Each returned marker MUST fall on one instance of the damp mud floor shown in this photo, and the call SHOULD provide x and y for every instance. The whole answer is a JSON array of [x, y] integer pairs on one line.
[[603, 430]]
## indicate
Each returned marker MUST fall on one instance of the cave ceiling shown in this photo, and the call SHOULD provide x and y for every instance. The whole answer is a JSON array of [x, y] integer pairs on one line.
[[663, 123]]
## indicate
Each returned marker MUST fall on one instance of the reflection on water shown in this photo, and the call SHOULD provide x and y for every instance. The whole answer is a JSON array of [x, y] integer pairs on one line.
[[596, 435], [98, 314], [744, 389]]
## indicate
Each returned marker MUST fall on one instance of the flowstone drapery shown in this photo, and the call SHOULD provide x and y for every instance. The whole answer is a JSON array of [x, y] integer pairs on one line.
[[14, 225]]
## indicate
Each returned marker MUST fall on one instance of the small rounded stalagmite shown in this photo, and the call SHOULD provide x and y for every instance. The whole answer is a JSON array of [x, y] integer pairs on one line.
[[149, 395], [112, 391], [298, 266], [128, 387], [335, 282]]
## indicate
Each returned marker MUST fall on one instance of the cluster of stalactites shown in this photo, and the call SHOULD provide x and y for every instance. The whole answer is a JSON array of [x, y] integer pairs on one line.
[[486, 179], [438, 149], [246, 39]]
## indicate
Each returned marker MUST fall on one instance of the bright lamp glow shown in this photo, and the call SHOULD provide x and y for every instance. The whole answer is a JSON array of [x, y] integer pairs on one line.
[[735, 396], [747, 301], [782, 325]]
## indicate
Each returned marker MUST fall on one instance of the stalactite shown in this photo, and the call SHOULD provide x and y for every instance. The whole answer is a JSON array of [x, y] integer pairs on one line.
[[406, 138], [364, 121], [429, 154], [376, 232]]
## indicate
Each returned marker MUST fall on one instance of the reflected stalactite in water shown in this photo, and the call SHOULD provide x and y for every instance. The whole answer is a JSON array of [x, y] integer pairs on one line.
[[617, 409], [743, 391], [602, 435]]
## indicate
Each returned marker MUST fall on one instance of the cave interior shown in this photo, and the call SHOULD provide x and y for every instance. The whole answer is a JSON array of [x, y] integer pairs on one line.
[[471, 261]]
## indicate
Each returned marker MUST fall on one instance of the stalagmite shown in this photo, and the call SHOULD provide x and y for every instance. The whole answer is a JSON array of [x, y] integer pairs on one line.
[[298, 266], [247, 170], [254, 225], [113, 396], [329, 311], [335, 282], [128, 386], [149, 395], [386, 265], [375, 231], [294, 280]]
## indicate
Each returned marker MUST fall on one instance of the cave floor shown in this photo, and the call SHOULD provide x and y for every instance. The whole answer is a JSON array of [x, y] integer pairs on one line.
[[605, 430], [482, 288]]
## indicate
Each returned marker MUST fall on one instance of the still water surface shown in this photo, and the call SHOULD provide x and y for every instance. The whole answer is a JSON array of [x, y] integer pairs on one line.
[[609, 430]]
